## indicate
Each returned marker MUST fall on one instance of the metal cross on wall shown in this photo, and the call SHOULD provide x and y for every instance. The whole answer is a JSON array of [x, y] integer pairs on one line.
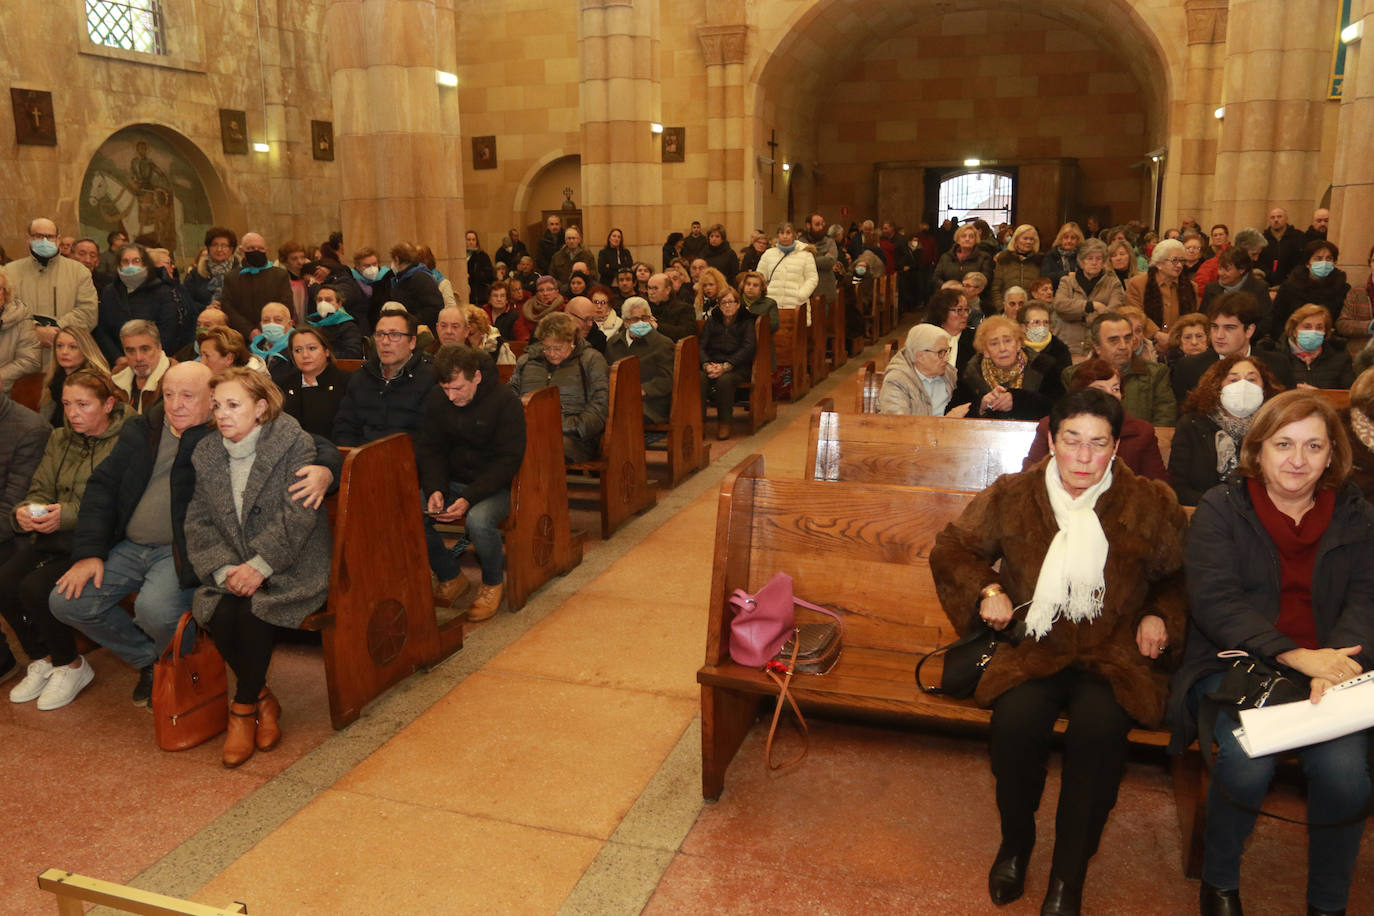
[[772, 155]]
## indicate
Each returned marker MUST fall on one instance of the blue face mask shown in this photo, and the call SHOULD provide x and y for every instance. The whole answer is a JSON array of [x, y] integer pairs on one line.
[[640, 328], [44, 248], [1322, 269], [1311, 341], [273, 332]]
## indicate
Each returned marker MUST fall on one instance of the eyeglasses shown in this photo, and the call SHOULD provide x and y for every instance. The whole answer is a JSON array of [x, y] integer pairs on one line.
[[52, 237], [963, 311], [1177, 262], [943, 354], [392, 335]]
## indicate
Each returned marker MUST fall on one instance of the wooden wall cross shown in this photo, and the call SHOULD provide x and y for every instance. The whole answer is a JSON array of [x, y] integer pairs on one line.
[[773, 155]]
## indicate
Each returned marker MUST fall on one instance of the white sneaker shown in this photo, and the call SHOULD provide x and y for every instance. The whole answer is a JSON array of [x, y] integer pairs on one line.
[[33, 683], [64, 684]]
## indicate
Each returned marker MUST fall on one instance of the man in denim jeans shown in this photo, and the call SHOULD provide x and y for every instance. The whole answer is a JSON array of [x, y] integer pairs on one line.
[[131, 534], [471, 443]]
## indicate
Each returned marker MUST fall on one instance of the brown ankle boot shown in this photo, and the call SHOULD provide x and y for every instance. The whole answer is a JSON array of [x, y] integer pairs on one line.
[[445, 593], [723, 429], [484, 606], [269, 721], [240, 742]]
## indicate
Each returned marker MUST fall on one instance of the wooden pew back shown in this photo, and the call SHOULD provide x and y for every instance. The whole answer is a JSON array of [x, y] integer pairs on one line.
[[819, 364], [1339, 397], [28, 390], [539, 541], [791, 341], [623, 477], [915, 451], [762, 407], [685, 445]]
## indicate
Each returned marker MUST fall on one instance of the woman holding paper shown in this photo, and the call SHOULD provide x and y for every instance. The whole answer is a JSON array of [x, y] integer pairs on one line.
[[1278, 566]]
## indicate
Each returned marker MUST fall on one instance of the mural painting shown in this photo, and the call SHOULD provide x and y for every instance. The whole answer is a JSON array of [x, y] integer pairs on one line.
[[137, 182]]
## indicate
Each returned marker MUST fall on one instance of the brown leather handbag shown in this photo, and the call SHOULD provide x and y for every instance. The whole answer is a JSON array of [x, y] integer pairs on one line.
[[190, 692]]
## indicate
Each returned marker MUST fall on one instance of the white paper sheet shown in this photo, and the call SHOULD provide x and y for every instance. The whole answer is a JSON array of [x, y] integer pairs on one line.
[[1348, 707]]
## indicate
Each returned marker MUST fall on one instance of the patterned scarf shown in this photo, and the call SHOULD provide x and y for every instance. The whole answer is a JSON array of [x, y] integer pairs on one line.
[[1228, 440], [1363, 426], [1009, 377]]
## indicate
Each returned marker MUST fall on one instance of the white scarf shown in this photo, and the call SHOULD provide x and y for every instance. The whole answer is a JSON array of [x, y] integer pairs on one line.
[[1070, 583]]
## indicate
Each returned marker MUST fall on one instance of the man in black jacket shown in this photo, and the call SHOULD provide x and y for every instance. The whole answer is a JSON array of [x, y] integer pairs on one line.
[[676, 319], [387, 395], [1283, 249], [23, 437], [131, 535], [1233, 318], [471, 445]]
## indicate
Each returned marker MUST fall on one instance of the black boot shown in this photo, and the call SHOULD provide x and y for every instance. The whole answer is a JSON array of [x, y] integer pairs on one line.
[[1061, 899], [1213, 901], [1007, 879], [1313, 911]]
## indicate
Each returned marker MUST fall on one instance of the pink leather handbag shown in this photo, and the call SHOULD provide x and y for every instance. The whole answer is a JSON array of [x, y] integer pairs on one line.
[[764, 621]]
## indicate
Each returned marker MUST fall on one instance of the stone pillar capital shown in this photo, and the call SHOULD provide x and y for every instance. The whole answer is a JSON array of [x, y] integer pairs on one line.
[[1206, 21], [723, 44]]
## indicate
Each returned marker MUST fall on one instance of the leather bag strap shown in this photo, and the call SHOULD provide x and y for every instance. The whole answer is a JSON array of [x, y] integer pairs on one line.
[[785, 696]]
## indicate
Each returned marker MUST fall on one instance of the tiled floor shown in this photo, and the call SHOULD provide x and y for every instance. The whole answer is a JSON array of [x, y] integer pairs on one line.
[[552, 766]]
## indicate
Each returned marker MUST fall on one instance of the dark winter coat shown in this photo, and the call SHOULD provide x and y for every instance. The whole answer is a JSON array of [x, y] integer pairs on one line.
[[342, 331], [723, 258], [949, 267], [1040, 388], [153, 301], [293, 540], [583, 383], [479, 446], [729, 343], [655, 353], [1193, 457], [1057, 264], [1233, 588], [1188, 371], [1301, 288], [374, 407], [610, 261], [23, 435], [415, 288], [1012, 270], [315, 408], [481, 274], [1332, 368], [245, 294], [1012, 521]]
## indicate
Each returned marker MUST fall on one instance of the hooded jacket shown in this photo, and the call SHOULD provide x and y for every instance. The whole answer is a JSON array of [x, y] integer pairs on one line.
[[68, 462], [1301, 288], [583, 383], [791, 277], [904, 393], [479, 445], [152, 300], [1233, 589], [20, 352]]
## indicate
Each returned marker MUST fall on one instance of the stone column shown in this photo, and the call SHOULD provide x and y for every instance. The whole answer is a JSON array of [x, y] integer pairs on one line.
[[1352, 185], [1277, 57], [396, 131], [619, 95], [1198, 127], [723, 48]]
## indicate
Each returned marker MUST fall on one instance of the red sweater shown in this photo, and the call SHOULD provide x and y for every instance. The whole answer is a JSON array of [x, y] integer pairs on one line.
[[1297, 546]]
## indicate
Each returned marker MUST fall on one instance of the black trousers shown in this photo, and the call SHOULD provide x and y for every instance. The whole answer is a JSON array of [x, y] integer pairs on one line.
[[1094, 760], [721, 392], [246, 642], [26, 579]]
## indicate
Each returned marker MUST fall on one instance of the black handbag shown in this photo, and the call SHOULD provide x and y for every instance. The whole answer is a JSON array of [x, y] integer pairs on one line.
[[966, 659]]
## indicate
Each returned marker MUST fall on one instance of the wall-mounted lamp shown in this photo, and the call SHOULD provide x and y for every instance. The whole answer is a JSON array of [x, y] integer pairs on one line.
[[656, 127], [444, 78], [1154, 158], [1219, 113], [972, 163], [261, 148], [787, 166], [1353, 32]]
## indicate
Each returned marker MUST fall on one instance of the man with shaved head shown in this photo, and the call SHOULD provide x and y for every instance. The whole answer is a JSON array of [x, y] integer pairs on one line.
[[53, 286], [1321, 223], [1283, 248], [256, 283], [676, 319], [130, 537], [581, 308]]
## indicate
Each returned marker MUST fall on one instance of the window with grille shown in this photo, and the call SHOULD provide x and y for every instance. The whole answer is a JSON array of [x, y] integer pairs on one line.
[[134, 25], [967, 196]]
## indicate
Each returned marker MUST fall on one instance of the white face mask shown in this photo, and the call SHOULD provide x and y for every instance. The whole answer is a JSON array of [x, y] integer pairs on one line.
[[1241, 398], [325, 308], [369, 273]]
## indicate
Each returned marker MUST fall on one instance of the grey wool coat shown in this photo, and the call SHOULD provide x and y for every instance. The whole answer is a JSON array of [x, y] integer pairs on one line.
[[293, 540]]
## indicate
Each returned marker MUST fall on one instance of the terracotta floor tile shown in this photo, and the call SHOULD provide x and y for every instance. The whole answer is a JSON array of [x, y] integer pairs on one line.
[[615, 640], [388, 857], [534, 751], [661, 567]]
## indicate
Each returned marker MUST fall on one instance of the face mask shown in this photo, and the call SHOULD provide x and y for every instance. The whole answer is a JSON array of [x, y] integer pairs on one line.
[[133, 276], [1311, 341], [1322, 269], [255, 258], [640, 328], [44, 248], [1232, 289], [370, 273], [273, 332], [860, 270], [325, 309], [787, 249], [1037, 334], [1241, 398]]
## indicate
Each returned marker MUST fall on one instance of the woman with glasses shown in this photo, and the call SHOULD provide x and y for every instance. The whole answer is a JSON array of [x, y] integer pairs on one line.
[[1085, 290], [1006, 380], [948, 310], [1160, 293], [205, 281], [919, 380], [727, 355], [556, 358], [1038, 320], [606, 318], [1084, 558]]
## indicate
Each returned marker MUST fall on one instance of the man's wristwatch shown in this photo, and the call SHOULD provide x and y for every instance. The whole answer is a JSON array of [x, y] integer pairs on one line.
[[989, 591]]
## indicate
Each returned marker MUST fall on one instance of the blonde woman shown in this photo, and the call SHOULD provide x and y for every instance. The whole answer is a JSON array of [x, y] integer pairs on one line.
[[1019, 265], [73, 349], [1062, 259], [482, 336]]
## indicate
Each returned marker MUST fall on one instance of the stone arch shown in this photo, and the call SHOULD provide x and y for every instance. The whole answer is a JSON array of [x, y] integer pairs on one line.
[[540, 188], [822, 40], [194, 172]]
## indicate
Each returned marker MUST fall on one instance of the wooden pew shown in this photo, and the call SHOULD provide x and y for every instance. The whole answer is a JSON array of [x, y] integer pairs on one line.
[[819, 363], [538, 533], [890, 303], [621, 472], [378, 626], [869, 382], [861, 547], [791, 341], [759, 389], [1338, 397], [349, 365], [685, 447], [28, 390]]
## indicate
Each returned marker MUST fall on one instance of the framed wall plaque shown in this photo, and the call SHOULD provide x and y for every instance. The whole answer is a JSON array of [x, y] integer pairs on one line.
[[34, 124], [322, 140], [484, 152], [233, 131], [674, 144]]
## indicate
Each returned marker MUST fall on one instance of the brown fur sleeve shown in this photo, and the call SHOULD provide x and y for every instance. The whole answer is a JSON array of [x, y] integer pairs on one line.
[[962, 559], [1167, 598]]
